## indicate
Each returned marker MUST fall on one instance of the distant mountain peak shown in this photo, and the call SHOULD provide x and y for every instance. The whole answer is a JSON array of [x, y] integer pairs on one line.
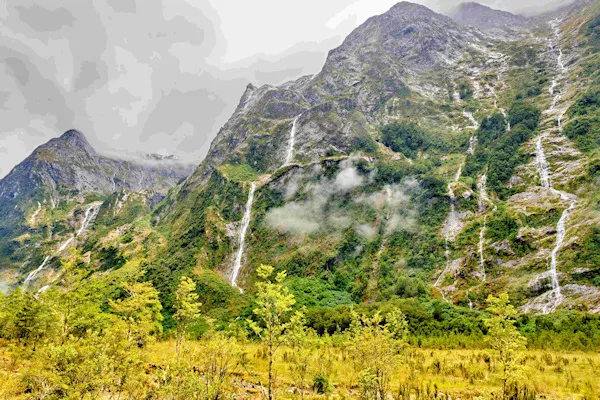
[[488, 19], [73, 134]]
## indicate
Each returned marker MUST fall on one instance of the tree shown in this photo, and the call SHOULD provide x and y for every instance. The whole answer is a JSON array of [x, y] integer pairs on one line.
[[504, 337], [140, 311], [138, 319], [375, 347], [275, 314], [187, 308]]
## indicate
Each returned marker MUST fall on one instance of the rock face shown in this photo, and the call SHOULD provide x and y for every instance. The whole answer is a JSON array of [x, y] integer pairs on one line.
[[347, 190], [68, 167], [499, 23], [70, 164], [387, 57]]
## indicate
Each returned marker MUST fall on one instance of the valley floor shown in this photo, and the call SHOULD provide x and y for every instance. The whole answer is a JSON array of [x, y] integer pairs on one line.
[[240, 372], [422, 374]]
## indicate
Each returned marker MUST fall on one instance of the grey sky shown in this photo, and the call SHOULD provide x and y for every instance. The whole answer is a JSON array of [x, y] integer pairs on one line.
[[141, 76]]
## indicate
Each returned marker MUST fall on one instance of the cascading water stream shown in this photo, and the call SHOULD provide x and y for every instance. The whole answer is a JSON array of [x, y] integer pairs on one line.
[[31, 276], [90, 214], [471, 118], [242, 237], [290, 153], [541, 164], [556, 293], [452, 227], [35, 214], [481, 243]]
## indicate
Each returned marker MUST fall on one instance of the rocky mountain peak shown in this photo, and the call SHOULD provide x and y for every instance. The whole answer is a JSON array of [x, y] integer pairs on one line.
[[488, 19], [69, 144]]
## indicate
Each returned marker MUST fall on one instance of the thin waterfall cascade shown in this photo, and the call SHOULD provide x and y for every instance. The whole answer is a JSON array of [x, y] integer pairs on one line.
[[470, 302], [242, 237], [292, 141], [556, 293], [456, 97], [36, 271], [483, 194], [36, 212], [90, 214], [541, 164], [472, 145], [471, 118], [65, 244], [481, 246]]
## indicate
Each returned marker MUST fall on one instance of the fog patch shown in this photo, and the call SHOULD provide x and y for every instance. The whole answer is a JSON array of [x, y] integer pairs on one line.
[[348, 179], [315, 213]]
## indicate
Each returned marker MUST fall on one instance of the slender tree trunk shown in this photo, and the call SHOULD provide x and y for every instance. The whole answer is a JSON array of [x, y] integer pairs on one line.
[[270, 370]]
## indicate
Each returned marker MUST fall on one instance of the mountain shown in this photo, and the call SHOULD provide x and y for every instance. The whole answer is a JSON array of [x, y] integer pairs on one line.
[[411, 165], [53, 190], [495, 22], [428, 159]]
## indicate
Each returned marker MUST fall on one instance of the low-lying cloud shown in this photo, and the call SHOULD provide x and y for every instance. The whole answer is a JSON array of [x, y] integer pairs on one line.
[[319, 212]]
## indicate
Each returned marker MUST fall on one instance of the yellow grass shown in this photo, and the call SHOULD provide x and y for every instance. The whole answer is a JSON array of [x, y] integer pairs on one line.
[[464, 374]]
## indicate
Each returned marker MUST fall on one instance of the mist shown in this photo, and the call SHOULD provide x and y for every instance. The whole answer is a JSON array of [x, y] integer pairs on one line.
[[163, 76]]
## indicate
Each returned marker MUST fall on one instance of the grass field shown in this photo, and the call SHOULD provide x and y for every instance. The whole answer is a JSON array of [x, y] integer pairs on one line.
[[420, 373]]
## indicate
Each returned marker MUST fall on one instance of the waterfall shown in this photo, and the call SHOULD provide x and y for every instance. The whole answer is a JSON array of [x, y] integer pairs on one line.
[[37, 211], [90, 214], [65, 244], [542, 164], [483, 196], [290, 153], [560, 238], [470, 302], [456, 97], [242, 237], [481, 243], [472, 145], [36, 271], [470, 117]]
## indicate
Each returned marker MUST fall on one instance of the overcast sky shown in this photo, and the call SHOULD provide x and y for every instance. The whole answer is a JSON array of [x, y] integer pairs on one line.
[[141, 76]]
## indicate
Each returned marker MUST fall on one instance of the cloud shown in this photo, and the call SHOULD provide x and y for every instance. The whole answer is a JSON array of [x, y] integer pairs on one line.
[[315, 213], [132, 73], [318, 211]]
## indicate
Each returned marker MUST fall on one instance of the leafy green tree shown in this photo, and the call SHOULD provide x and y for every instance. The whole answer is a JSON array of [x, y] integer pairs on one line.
[[375, 347], [140, 311], [504, 337], [275, 314], [187, 308]]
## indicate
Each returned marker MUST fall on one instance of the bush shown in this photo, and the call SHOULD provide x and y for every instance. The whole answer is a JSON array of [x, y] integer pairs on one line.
[[405, 138]]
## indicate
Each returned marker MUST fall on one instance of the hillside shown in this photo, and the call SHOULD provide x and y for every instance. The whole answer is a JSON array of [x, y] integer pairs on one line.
[[427, 159], [49, 202]]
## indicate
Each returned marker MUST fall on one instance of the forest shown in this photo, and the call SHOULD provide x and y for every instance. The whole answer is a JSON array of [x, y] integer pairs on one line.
[[107, 340]]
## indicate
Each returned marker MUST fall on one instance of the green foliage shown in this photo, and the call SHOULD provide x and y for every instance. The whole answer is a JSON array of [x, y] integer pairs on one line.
[[239, 173], [276, 318], [111, 258], [139, 311], [375, 347], [187, 308], [314, 292], [592, 31], [501, 226], [406, 138], [465, 90], [500, 149], [365, 144], [504, 337], [585, 124]]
